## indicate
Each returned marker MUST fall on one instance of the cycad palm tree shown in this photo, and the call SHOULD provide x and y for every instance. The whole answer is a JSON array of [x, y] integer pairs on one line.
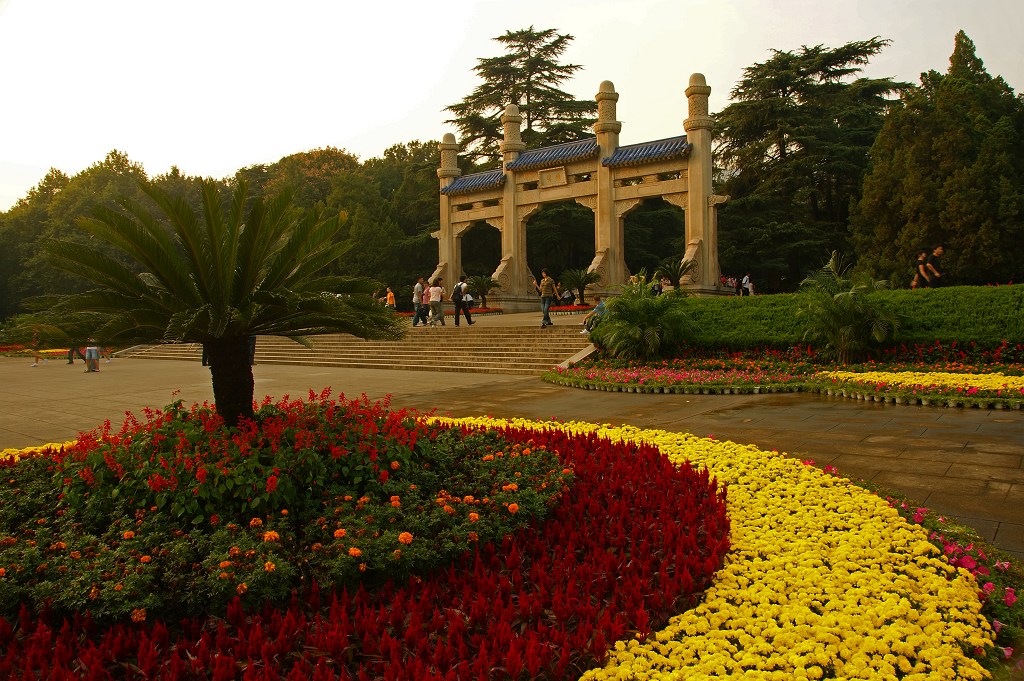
[[641, 325], [840, 314], [675, 269], [482, 284], [578, 280], [216, 278]]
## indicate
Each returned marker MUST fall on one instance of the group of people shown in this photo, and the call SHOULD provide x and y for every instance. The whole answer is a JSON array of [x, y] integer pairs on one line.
[[743, 286], [928, 268], [428, 302]]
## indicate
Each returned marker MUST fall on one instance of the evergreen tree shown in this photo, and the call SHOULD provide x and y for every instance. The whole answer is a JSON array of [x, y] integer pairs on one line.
[[528, 75], [793, 147], [947, 168]]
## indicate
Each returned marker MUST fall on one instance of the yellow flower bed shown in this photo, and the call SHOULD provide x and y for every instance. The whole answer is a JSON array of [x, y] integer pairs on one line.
[[928, 379], [824, 580], [25, 452]]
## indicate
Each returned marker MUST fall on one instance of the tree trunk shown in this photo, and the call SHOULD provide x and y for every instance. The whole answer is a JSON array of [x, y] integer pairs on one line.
[[232, 377]]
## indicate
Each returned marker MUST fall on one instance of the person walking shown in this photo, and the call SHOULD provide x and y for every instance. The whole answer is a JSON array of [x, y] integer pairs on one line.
[[437, 294], [921, 279], [92, 357], [459, 292], [548, 290], [417, 301], [745, 290], [37, 356], [425, 305], [934, 267], [389, 299]]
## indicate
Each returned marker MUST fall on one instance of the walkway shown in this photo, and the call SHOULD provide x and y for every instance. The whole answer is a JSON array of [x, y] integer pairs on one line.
[[968, 463]]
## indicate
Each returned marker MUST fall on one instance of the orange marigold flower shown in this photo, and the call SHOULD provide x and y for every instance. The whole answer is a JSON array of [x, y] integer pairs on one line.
[[489, 457], [76, 554], [224, 564], [396, 554], [395, 465], [513, 508], [412, 486], [469, 499], [566, 471], [448, 509], [284, 511], [354, 552], [118, 587], [234, 551], [242, 588], [270, 535], [526, 452], [473, 517], [362, 567], [348, 497], [60, 546], [269, 567], [472, 536], [511, 487], [255, 522], [3, 572], [139, 615], [339, 533], [145, 559], [405, 538], [94, 593], [129, 535], [317, 546], [223, 575], [363, 499]]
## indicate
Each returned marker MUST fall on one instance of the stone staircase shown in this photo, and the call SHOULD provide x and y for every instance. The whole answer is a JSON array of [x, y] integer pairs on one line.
[[498, 350]]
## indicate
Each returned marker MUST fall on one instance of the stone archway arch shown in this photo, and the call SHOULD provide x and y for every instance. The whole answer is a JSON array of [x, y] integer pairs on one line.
[[595, 172]]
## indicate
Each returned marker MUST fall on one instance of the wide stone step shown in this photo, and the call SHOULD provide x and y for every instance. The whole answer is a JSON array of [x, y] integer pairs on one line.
[[503, 350]]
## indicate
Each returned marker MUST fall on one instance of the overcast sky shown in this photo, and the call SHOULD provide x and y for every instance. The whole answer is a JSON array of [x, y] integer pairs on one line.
[[216, 85]]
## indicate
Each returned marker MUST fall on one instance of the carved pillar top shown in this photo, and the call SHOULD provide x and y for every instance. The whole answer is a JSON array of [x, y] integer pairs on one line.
[[513, 142], [606, 99], [697, 99], [449, 158]]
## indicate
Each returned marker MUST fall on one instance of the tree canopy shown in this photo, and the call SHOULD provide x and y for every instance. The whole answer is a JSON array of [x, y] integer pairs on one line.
[[947, 167], [529, 75], [792, 149]]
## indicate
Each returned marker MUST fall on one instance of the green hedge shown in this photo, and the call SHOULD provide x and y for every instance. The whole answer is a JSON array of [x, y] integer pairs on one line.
[[984, 314]]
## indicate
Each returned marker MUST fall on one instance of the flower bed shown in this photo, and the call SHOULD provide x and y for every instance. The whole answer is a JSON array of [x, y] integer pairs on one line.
[[636, 540], [985, 390], [737, 374], [569, 309]]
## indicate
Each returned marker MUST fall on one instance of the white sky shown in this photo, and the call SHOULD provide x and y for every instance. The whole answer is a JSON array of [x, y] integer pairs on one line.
[[216, 85]]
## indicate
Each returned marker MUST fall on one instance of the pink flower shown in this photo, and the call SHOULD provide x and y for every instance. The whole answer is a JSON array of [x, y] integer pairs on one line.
[[988, 588], [1007, 653], [997, 625], [1010, 597]]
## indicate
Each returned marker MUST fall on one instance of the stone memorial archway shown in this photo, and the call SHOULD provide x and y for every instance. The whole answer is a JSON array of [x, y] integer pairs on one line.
[[595, 172]]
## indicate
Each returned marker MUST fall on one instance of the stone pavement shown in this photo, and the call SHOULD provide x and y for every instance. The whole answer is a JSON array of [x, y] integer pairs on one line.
[[966, 463]]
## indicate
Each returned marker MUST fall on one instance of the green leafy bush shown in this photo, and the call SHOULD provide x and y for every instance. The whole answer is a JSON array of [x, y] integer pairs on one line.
[[183, 515]]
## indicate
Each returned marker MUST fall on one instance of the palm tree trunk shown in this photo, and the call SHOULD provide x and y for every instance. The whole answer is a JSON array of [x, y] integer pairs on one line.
[[232, 377]]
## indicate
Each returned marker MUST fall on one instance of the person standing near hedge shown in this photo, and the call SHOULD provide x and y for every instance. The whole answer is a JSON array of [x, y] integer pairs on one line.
[[934, 267], [437, 302], [921, 279]]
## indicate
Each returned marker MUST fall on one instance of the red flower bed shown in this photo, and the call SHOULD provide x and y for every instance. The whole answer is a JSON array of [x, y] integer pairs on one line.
[[634, 542]]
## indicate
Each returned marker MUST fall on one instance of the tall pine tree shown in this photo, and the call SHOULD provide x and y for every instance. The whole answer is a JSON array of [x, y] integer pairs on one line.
[[947, 168], [793, 147], [529, 75]]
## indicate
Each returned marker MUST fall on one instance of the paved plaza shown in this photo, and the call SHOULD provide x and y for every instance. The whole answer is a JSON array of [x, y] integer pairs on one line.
[[964, 462]]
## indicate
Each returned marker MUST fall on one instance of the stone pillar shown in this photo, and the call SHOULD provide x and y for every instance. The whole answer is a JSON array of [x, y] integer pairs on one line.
[[701, 221], [513, 272], [609, 259], [449, 258]]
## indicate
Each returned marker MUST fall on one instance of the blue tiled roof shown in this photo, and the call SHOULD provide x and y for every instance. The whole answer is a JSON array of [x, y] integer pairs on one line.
[[475, 182], [556, 155], [659, 150]]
